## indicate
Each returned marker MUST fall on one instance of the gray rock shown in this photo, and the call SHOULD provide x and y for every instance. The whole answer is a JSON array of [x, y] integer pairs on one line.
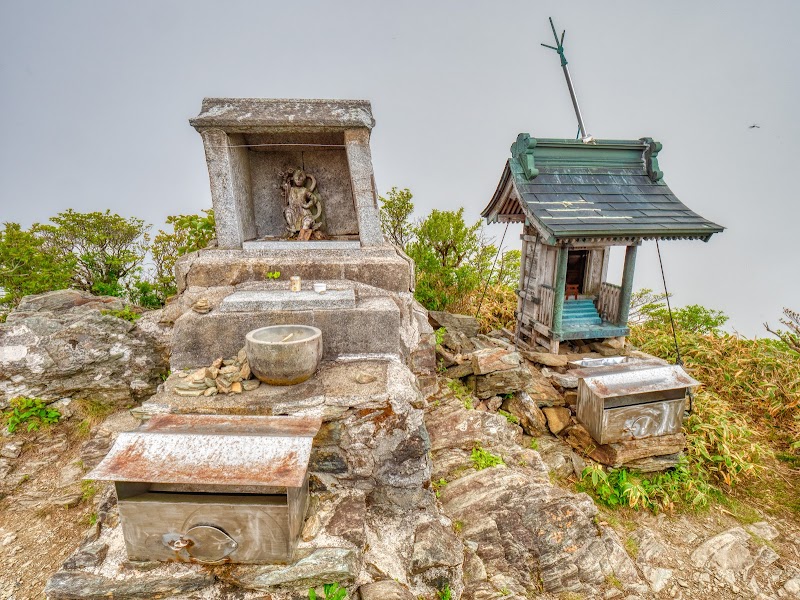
[[566, 381], [658, 577], [454, 323], [11, 449], [531, 418], [727, 553], [558, 418], [792, 587], [324, 565], [435, 546], [69, 585], [90, 555], [385, 590], [763, 530], [500, 383], [59, 345]]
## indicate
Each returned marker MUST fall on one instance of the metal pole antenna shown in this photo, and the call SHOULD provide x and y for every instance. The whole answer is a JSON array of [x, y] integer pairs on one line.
[[559, 47]]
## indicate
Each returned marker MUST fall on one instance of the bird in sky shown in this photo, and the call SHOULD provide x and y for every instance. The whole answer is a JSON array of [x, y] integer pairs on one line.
[[754, 126]]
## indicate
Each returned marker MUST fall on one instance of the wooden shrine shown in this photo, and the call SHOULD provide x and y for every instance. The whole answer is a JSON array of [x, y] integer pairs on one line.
[[576, 201]]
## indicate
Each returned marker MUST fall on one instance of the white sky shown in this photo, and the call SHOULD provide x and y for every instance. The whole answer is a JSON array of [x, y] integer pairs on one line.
[[95, 97]]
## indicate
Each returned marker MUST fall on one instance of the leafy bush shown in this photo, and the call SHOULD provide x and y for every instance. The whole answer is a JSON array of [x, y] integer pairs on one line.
[[26, 267], [189, 233], [445, 593], [658, 491], [108, 249], [32, 412], [453, 261], [461, 392], [332, 591], [483, 459]]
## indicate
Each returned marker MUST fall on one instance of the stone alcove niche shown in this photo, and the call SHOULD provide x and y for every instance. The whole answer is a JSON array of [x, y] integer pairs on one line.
[[251, 143]]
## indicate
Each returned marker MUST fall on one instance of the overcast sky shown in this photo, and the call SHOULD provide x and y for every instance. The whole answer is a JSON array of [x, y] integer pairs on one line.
[[95, 97]]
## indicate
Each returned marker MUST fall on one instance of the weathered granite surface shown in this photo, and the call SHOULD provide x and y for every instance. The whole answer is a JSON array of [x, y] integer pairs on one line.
[[372, 326], [61, 345], [281, 300], [379, 267], [247, 114]]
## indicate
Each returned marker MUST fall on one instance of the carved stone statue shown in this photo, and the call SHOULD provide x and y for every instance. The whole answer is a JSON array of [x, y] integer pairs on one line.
[[303, 205]]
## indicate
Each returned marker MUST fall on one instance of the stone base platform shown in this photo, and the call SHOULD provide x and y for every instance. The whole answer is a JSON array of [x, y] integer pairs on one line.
[[336, 385], [372, 326], [381, 267]]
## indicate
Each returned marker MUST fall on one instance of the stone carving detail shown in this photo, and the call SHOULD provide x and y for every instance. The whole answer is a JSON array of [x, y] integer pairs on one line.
[[303, 208]]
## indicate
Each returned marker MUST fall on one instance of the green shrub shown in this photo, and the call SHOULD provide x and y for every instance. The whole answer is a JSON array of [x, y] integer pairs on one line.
[[26, 266], [331, 591], [126, 314], [445, 593], [31, 412], [483, 459]]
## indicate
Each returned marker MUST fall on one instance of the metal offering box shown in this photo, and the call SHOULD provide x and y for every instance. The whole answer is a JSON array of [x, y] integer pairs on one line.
[[633, 400], [212, 488]]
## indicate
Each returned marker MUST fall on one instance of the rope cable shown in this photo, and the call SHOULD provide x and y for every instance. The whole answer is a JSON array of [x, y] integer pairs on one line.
[[488, 279], [678, 359]]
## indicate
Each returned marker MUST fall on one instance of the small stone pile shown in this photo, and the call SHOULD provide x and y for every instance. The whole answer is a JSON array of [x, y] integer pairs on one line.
[[224, 376]]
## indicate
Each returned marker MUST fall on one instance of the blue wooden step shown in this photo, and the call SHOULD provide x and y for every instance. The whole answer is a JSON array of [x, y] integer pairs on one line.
[[580, 313]]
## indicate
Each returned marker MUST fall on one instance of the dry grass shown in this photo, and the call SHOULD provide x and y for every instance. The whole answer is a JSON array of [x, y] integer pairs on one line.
[[496, 310]]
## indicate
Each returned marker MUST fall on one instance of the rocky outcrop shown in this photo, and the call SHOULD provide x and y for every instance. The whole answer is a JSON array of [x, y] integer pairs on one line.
[[67, 344], [528, 535]]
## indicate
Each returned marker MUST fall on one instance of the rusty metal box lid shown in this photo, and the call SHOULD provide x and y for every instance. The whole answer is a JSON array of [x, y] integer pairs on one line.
[[634, 379], [213, 449]]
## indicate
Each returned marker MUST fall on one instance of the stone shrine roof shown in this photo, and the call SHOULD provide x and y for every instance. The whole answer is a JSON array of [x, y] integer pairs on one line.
[[610, 189], [255, 114]]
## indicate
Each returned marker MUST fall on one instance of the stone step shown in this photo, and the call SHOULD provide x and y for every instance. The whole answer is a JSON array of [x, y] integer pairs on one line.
[[372, 326]]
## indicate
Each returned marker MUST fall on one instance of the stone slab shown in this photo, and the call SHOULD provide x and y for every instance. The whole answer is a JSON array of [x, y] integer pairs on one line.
[[285, 300], [379, 267], [338, 381], [253, 114], [371, 327], [310, 245]]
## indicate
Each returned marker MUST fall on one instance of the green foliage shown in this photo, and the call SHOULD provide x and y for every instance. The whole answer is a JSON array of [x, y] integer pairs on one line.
[[509, 417], [534, 444], [461, 392], [331, 591], [273, 275], [26, 266], [439, 333], [450, 257], [438, 486], [33, 413], [655, 492], [189, 233], [445, 593], [108, 249], [395, 214], [483, 459], [89, 489], [126, 314]]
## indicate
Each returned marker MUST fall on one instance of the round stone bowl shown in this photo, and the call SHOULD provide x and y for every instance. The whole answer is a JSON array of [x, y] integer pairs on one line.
[[284, 354]]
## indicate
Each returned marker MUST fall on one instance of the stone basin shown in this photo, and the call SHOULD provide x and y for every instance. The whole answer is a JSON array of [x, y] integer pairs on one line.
[[284, 354]]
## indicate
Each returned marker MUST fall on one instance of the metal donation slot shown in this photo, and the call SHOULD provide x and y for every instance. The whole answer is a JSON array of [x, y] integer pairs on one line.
[[212, 488]]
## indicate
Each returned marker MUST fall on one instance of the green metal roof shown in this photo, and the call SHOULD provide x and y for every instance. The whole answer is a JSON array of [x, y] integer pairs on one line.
[[607, 189]]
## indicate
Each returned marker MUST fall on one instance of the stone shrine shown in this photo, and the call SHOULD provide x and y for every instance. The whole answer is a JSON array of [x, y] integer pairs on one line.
[[293, 192]]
